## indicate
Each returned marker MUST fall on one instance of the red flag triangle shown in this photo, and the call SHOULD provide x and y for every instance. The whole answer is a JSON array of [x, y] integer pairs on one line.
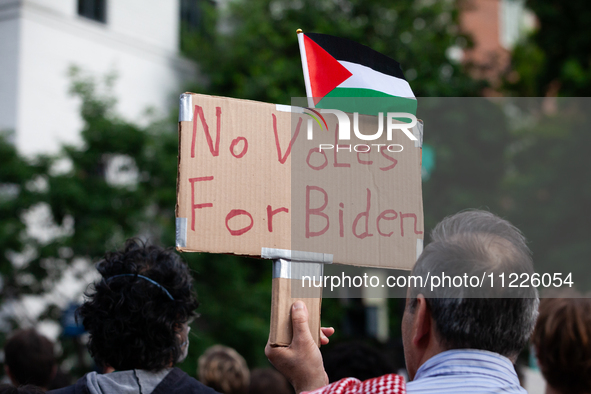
[[326, 73]]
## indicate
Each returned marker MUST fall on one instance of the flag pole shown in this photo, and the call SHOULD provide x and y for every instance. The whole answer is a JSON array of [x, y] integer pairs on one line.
[[302, 46], [288, 273]]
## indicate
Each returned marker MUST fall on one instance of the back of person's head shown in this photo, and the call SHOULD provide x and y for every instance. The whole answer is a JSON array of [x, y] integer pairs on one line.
[[224, 370], [137, 311], [477, 244], [60, 380], [562, 339], [356, 360], [28, 389], [30, 358], [268, 381]]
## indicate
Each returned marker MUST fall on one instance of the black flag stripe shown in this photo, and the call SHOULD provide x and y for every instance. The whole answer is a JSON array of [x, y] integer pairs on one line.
[[350, 51]]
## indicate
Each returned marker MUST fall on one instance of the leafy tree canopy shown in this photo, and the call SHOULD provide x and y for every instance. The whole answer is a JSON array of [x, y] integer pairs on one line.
[[249, 49]]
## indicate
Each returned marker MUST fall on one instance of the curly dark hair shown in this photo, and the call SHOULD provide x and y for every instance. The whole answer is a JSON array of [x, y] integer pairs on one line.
[[133, 323], [28, 389]]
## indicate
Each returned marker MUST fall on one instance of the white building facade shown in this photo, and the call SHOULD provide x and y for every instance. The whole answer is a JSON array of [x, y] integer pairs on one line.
[[41, 39]]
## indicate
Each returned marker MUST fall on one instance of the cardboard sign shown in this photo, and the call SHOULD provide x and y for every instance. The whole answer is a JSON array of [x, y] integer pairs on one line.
[[260, 179]]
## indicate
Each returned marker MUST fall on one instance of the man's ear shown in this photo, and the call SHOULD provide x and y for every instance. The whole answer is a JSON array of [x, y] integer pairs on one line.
[[422, 323]]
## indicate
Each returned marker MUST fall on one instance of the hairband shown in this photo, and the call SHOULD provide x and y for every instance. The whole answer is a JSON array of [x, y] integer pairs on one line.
[[146, 278]]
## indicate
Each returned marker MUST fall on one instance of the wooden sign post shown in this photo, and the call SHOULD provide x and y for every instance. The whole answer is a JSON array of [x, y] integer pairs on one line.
[[265, 180], [288, 273]]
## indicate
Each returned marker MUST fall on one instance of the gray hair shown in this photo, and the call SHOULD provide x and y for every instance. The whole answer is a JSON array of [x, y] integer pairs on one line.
[[494, 318]]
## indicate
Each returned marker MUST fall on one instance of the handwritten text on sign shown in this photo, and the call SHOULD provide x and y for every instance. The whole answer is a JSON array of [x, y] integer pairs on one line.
[[249, 179]]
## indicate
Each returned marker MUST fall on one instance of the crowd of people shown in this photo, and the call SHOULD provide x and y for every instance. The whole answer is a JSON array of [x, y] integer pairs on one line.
[[30, 364], [138, 314]]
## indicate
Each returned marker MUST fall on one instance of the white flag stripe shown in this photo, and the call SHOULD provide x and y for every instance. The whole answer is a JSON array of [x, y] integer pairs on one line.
[[367, 78]]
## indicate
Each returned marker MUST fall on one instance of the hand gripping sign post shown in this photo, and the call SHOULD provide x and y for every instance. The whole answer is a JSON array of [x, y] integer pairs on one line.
[[302, 188]]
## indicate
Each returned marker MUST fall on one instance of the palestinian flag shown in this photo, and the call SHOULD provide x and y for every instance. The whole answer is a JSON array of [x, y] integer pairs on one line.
[[342, 74]]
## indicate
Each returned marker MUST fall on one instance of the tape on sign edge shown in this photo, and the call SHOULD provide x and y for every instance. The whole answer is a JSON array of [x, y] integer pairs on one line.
[[181, 232], [296, 255], [289, 108], [185, 104], [417, 131], [287, 269], [419, 247]]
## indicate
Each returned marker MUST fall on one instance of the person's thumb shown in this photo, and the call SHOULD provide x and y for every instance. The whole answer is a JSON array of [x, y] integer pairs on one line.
[[299, 321]]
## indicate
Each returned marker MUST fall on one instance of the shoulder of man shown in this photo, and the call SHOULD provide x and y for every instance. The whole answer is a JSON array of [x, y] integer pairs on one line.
[[386, 384], [178, 381], [78, 388]]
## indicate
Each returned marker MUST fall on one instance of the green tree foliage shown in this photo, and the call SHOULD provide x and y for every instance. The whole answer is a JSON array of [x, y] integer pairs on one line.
[[555, 59], [19, 192], [548, 193], [251, 50], [470, 137], [20, 181], [547, 186]]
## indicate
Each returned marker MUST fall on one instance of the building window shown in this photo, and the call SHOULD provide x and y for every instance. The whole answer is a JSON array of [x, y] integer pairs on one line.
[[193, 15], [93, 9], [511, 22], [197, 22]]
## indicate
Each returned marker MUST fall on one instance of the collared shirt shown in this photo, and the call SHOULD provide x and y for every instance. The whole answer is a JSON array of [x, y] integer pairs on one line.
[[466, 371]]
